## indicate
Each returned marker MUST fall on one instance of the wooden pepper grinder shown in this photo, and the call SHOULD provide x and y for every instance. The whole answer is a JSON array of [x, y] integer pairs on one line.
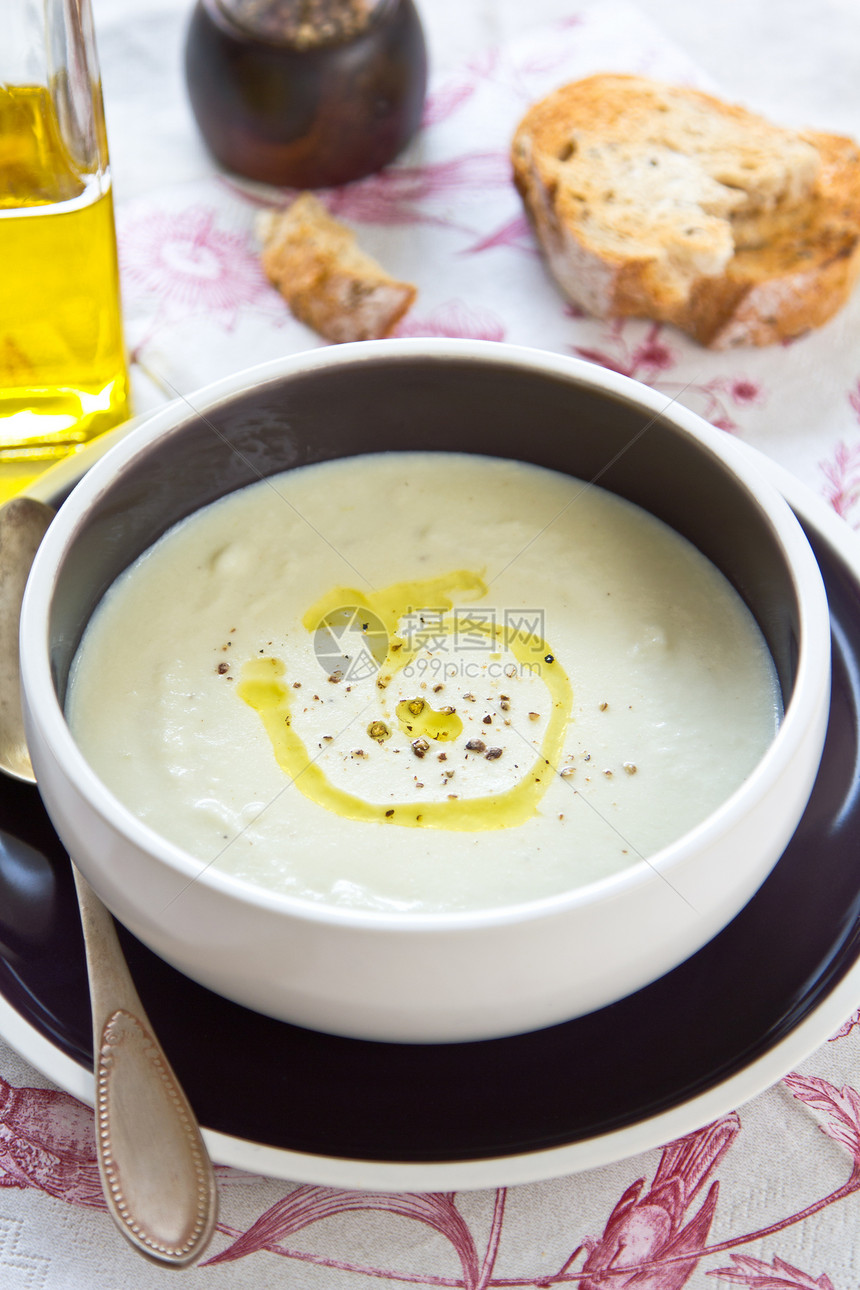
[[306, 93]]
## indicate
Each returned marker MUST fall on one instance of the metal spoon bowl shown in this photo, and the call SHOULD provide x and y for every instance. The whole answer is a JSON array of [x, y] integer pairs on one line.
[[156, 1173]]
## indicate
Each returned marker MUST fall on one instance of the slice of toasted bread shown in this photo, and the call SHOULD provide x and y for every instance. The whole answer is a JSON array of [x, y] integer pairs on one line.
[[663, 202], [327, 280]]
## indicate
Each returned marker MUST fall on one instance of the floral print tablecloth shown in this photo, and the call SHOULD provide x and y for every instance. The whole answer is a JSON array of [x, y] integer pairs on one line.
[[766, 1197]]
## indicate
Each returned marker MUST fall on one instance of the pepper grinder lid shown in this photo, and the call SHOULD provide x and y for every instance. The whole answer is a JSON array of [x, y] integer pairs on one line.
[[302, 24]]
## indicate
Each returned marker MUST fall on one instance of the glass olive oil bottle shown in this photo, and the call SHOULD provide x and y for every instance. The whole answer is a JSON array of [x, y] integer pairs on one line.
[[63, 375]]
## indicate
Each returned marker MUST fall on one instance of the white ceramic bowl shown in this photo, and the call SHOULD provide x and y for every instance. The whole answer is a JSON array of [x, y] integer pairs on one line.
[[431, 977]]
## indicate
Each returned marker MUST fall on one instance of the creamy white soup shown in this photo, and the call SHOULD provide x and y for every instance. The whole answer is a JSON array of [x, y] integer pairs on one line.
[[422, 682]]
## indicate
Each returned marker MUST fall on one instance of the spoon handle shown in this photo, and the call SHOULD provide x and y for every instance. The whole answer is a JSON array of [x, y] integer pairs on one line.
[[157, 1176], [23, 524]]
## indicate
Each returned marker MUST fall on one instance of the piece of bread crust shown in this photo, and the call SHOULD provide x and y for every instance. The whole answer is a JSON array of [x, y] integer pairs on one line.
[[329, 283], [663, 202]]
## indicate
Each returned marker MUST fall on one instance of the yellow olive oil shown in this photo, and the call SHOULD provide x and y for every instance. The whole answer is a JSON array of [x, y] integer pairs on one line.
[[263, 686], [416, 717], [63, 376]]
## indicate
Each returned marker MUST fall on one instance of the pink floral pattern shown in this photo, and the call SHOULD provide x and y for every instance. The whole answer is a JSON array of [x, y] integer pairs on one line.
[[777, 1275], [846, 1027], [643, 352], [516, 233], [454, 318], [842, 1106], [647, 1242], [655, 1235], [187, 264], [842, 480], [406, 195], [446, 100], [46, 1141]]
